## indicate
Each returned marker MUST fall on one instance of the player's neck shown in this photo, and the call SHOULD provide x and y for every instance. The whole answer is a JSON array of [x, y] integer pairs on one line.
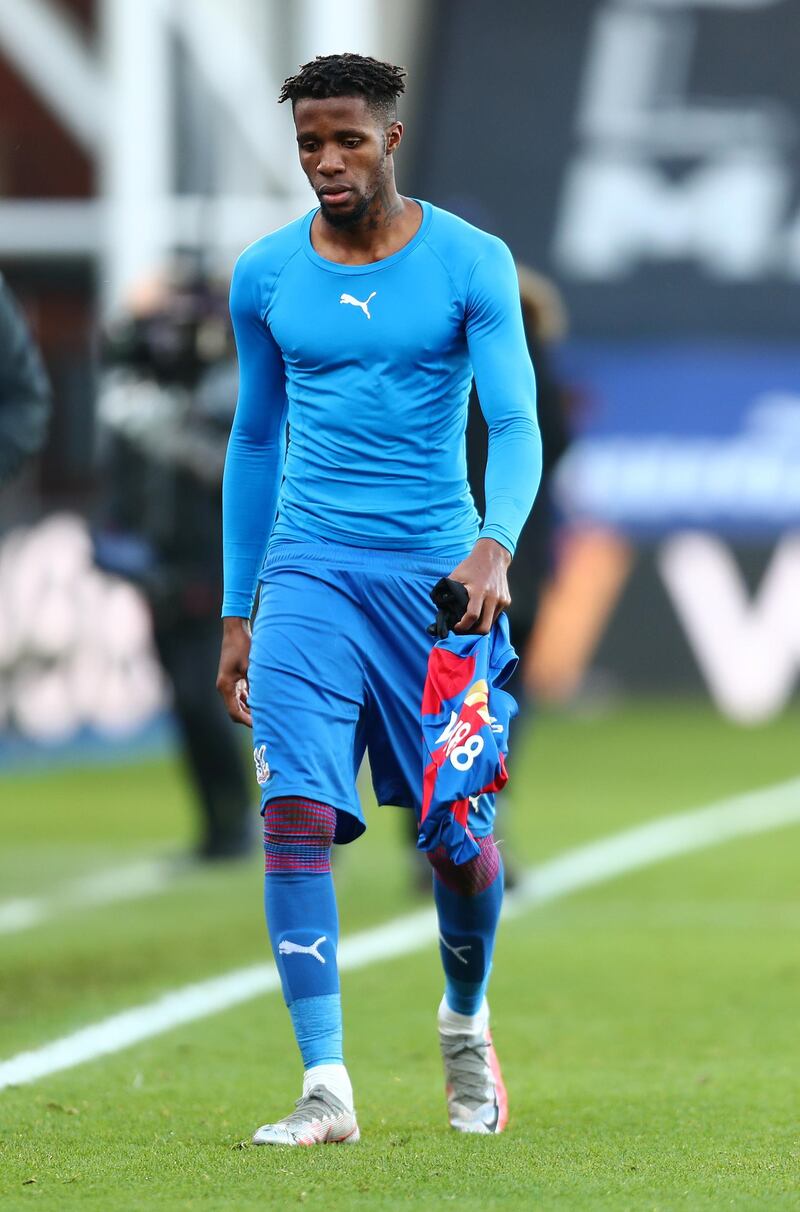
[[390, 222]]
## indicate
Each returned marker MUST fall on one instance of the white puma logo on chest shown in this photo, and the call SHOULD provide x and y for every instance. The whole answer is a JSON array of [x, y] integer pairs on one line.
[[357, 302]]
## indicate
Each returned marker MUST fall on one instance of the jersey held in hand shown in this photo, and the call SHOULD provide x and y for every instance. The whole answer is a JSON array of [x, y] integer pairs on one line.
[[465, 718]]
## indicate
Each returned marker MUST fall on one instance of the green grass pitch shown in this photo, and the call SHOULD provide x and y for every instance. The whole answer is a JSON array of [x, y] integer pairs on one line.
[[647, 1026]]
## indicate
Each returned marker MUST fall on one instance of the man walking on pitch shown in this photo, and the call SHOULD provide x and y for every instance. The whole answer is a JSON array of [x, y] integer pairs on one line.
[[361, 325]]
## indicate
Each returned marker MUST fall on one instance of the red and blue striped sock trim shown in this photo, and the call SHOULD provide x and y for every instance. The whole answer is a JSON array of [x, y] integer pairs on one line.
[[298, 835]]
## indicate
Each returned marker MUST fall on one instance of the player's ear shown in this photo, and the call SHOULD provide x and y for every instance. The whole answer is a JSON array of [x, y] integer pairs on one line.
[[394, 134]]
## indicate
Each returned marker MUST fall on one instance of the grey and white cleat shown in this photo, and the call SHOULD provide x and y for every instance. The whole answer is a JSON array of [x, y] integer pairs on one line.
[[476, 1093], [319, 1118]]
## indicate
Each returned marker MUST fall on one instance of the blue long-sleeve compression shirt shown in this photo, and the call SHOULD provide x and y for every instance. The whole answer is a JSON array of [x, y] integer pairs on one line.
[[371, 365]]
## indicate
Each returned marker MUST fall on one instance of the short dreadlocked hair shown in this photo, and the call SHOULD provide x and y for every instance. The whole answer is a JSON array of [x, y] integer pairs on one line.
[[348, 76]]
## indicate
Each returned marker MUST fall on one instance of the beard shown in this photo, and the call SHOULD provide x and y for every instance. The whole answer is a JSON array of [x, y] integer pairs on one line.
[[353, 217], [348, 218]]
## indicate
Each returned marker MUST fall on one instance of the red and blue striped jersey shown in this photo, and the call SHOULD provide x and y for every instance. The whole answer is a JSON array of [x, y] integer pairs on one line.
[[465, 718]]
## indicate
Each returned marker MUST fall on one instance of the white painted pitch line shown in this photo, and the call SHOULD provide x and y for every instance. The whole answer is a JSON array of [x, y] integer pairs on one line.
[[756, 812], [20, 914], [126, 883], [663, 838]]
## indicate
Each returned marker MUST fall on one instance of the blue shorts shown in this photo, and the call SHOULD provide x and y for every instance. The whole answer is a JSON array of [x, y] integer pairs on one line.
[[337, 668]]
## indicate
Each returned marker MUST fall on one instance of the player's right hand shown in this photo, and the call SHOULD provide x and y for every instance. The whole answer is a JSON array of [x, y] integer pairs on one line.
[[234, 660]]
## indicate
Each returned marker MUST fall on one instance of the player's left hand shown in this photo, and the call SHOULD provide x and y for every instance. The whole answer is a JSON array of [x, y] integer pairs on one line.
[[484, 574]]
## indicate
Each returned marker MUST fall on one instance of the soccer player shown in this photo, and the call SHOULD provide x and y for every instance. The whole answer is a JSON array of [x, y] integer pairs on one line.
[[362, 325]]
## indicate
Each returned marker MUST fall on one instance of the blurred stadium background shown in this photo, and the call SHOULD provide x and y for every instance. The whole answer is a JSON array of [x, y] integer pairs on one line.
[[643, 154]]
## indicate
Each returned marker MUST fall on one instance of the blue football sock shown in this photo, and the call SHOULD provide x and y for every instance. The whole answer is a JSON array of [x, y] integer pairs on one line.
[[304, 930], [467, 927], [302, 918]]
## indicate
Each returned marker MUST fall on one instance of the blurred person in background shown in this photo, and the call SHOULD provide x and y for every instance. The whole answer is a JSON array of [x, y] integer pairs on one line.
[[165, 408], [25, 400], [545, 319]]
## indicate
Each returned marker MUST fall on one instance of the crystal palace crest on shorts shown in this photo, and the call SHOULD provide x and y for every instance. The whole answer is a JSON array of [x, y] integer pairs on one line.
[[262, 765]]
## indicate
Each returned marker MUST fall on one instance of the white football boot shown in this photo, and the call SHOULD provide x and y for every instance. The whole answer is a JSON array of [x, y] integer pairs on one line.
[[476, 1094], [319, 1118]]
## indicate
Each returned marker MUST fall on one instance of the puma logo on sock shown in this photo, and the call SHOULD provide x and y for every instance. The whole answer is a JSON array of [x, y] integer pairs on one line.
[[456, 951], [357, 302], [286, 947]]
